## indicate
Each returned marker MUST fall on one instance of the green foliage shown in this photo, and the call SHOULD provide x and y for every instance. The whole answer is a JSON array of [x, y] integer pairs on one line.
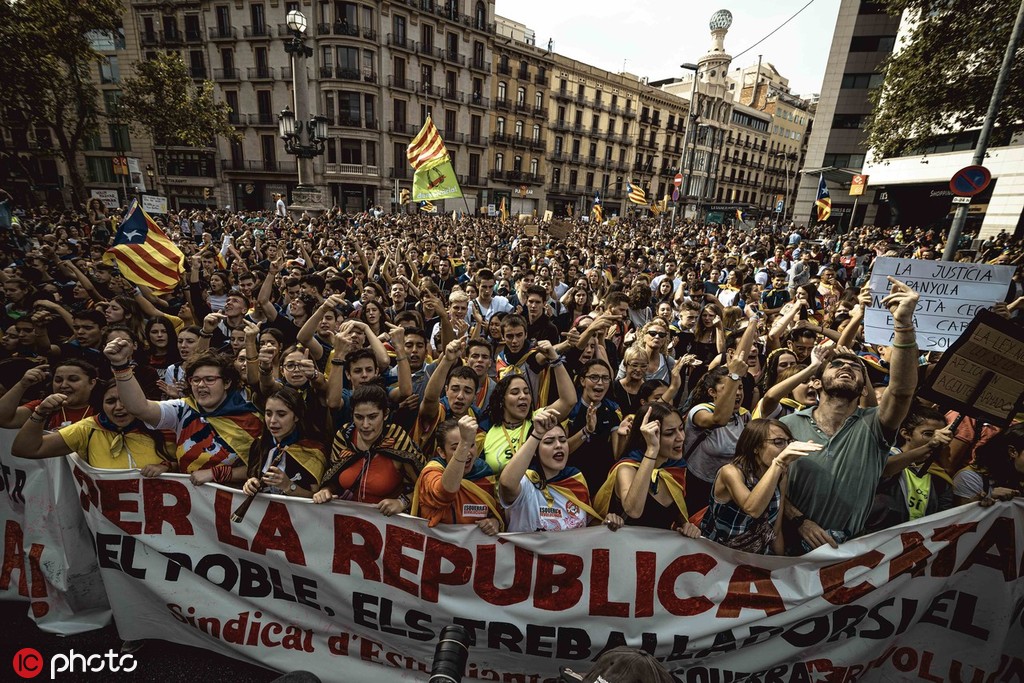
[[942, 77], [163, 99], [46, 69]]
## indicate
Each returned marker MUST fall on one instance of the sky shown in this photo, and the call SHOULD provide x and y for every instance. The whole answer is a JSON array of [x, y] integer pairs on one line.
[[655, 36]]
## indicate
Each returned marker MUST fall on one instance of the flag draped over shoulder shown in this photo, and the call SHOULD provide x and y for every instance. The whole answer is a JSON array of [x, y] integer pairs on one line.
[[636, 194], [434, 176], [144, 254], [824, 200]]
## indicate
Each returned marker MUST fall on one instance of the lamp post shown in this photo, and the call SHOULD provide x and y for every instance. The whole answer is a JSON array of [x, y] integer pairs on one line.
[[789, 157], [150, 176], [692, 114], [304, 135]]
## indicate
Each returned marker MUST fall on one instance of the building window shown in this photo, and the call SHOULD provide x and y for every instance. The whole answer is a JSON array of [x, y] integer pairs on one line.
[[536, 133], [534, 166], [519, 130], [517, 164], [499, 162], [861, 81], [499, 127], [521, 97], [502, 91]]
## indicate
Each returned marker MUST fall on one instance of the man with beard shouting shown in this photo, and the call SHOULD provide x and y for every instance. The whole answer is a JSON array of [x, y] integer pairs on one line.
[[830, 491]]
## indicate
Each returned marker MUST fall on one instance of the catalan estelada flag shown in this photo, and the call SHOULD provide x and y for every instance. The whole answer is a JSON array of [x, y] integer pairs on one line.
[[428, 207], [636, 194], [434, 176], [824, 200], [144, 254], [597, 211]]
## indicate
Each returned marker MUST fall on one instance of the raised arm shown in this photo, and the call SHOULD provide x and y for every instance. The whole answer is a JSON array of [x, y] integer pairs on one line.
[[451, 480], [267, 288], [566, 391], [633, 485], [11, 415], [31, 441], [430, 405], [119, 353], [307, 333], [724, 404], [852, 329], [510, 481], [901, 302]]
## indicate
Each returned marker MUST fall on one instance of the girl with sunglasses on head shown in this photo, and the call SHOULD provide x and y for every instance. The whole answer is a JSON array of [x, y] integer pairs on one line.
[[745, 508], [288, 458]]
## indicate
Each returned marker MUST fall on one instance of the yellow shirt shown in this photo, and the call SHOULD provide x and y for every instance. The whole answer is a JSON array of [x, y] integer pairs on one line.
[[108, 450]]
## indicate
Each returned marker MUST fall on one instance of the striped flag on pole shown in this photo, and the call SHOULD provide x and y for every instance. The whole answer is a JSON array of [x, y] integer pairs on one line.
[[636, 194], [144, 254], [434, 177]]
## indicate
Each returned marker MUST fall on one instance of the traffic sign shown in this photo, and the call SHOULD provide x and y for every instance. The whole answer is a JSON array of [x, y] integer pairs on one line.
[[970, 181], [857, 185], [678, 180], [779, 206], [675, 195], [961, 200]]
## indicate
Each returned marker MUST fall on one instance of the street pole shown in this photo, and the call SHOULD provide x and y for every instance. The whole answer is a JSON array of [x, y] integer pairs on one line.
[[691, 114], [960, 218]]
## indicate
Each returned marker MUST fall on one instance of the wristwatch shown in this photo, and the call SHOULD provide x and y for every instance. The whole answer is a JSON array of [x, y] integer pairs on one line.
[[799, 520], [734, 377], [291, 489]]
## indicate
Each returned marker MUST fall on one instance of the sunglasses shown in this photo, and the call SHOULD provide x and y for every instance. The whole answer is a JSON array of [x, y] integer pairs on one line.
[[657, 335]]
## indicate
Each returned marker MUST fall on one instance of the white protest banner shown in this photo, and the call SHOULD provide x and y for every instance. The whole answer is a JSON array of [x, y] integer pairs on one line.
[[951, 294], [350, 595], [48, 558], [152, 203], [135, 177], [108, 197]]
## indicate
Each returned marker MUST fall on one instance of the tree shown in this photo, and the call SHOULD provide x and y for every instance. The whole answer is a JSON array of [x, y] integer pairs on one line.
[[46, 71], [939, 80], [162, 99]]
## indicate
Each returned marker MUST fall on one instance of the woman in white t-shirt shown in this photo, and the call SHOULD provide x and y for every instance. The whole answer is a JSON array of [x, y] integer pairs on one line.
[[538, 489]]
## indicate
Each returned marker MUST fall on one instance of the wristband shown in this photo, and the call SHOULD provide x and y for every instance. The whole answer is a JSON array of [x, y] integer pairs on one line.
[[650, 457], [205, 334], [337, 362], [557, 361], [123, 366], [399, 359], [124, 375], [34, 415]]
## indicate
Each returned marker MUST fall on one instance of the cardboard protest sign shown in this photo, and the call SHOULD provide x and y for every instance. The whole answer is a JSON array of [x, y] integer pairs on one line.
[[990, 353], [559, 229], [951, 295]]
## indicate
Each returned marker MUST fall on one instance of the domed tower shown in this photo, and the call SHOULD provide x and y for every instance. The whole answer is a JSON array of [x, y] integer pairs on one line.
[[714, 66]]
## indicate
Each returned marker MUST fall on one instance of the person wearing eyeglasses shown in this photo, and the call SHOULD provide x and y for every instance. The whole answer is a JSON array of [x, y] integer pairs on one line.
[[745, 510], [592, 422], [831, 492], [214, 427], [110, 439], [654, 339]]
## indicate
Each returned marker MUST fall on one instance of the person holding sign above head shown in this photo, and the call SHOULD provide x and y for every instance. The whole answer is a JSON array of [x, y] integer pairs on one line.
[[830, 493], [538, 488], [457, 487]]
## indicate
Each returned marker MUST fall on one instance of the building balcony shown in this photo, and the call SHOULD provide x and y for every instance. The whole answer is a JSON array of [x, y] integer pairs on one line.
[[403, 84], [453, 57], [231, 74], [352, 169], [265, 166], [523, 108], [478, 100], [536, 143], [502, 103], [258, 73], [223, 33], [193, 37], [401, 42], [480, 65], [171, 38], [516, 177], [477, 140], [424, 50], [629, 113], [347, 74], [429, 90], [402, 128], [264, 119], [472, 180], [539, 112], [149, 39], [540, 80], [400, 173], [198, 73], [258, 32], [563, 95], [504, 70], [453, 96]]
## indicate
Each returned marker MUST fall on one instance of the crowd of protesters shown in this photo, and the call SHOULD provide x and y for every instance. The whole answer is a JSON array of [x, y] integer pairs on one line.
[[704, 379]]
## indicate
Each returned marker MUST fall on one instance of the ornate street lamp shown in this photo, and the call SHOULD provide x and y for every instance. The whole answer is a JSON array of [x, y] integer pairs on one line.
[[304, 135]]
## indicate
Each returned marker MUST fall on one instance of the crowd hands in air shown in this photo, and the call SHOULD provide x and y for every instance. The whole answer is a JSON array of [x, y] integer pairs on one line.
[[702, 379]]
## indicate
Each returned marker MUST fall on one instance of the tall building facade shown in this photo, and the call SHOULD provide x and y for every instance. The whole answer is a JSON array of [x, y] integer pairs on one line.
[[864, 36]]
